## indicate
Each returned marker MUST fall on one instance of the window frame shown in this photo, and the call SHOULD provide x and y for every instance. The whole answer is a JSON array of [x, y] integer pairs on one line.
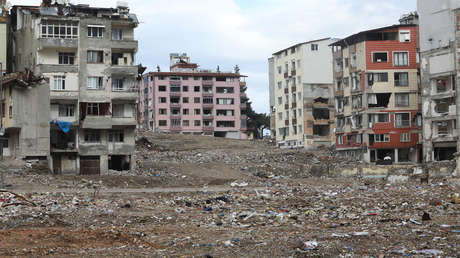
[[59, 82], [380, 52], [95, 31], [407, 59], [69, 56]]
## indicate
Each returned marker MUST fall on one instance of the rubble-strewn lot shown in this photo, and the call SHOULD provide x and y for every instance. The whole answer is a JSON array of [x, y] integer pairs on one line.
[[282, 212]]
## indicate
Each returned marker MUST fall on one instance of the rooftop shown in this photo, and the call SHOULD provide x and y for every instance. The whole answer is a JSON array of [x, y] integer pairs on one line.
[[299, 44]]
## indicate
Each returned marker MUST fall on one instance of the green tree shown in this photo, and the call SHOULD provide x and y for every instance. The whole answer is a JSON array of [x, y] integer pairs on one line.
[[257, 122]]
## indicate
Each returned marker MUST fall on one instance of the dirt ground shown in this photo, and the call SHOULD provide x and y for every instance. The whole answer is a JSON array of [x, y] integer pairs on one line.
[[180, 202]]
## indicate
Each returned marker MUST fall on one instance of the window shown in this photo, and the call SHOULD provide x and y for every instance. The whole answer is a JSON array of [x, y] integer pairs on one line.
[[402, 99], [280, 116], [163, 100], [382, 137], [185, 88], [380, 57], [346, 62], [95, 83], [93, 109], [225, 90], [59, 82], [162, 123], [208, 101], [95, 31], [197, 123], [379, 118], [359, 138], [314, 47], [185, 111], [400, 58], [405, 137], [117, 34], [163, 111], [174, 89], [66, 110], [225, 101], [443, 128], [340, 140], [185, 100], [10, 111], [402, 79], [95, 56], [184, 78], [402, 120], [185, 123], [117, 84], [196, 100], [116, 136], [280, 100], [404, 36], [381, 77], [55, 29], [92, 136], [196, 89], [161, 88], [197, 111], [279, 70], [196, 78], [67, 58]]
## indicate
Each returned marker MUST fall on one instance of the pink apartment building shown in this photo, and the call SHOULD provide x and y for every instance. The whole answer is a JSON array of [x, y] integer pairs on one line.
[[189, 100]]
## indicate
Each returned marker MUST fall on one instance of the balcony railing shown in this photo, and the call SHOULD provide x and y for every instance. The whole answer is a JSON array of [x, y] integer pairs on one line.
[[174, 104], [124, 89], [208, 83]]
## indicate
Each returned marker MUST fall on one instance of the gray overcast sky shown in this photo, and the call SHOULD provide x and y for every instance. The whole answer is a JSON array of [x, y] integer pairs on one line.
[[245, 32]]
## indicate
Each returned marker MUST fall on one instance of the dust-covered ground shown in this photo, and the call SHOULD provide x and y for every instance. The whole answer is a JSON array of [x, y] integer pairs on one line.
[[195, 196]]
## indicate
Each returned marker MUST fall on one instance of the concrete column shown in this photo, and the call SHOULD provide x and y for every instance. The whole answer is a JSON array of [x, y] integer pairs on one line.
[[396, 156], [104, 164]]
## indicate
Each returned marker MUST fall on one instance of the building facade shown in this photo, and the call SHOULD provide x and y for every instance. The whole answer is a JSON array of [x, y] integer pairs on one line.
[[376, 89], [301, 87], [189, 100], [439, 48], [4, 29], [87, 55]]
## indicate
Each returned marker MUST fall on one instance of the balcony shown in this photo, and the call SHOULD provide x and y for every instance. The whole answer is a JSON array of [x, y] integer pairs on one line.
[[175, 105], [125, 44], [208, 83], [54, 68], [208, 128], [175, 83], [286, 75], [293, 73], [64, 95], [208, 94], [124, 121], [286, 90], [125, 70], [97, 122], [175, 128], [44, 43]]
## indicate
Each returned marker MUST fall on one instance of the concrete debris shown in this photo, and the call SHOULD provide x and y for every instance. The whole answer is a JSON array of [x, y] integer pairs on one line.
[[241, 198]]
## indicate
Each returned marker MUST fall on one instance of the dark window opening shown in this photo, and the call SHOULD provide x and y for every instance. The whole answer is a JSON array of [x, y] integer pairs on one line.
[[161, 88], [62, 141], [379, 100], [119, 163], [321, 130], [321, 114], [220, 79], [447, 153], [321, 100], [403, 155], [175, 100], [225, 90], [382, 36], [380, 57]]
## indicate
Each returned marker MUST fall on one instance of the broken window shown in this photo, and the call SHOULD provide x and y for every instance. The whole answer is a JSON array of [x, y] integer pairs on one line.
[[374, 36], [378, 99], [346, 81], [402, 120], [321, 130], [97, 109], [175, 122], [339, 105], [321, 114], [400, 58], [380, 57], [446, 153], [402, 99], [356, 121], [353, 60], [376, 77], [401, 79]]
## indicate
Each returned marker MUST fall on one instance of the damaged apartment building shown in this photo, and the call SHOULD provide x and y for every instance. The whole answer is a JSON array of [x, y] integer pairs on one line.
[[189, 100], [377, 94], [86, 54], [440, 48], [301, 95]]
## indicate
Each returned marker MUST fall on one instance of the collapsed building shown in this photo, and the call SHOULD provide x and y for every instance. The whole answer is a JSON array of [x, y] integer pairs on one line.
[[87, 54], [439, 48], [376, 89], [301, 95]]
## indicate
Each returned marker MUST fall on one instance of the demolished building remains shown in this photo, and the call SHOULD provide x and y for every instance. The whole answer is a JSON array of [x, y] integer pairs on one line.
[[301, 95], [377, 94], [439, 48], [87, 55], [189, 100]]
